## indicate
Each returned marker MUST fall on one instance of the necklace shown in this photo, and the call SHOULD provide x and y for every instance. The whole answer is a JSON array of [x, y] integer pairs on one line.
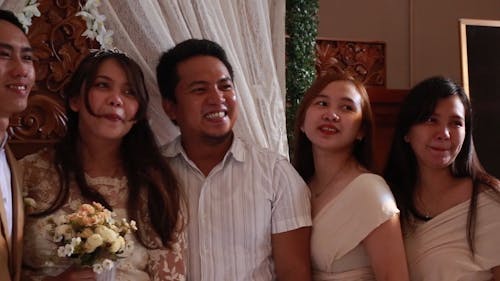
[[325, 186], [426, 216]]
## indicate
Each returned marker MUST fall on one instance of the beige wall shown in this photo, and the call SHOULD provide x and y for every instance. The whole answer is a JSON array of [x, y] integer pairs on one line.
[[421, 36]]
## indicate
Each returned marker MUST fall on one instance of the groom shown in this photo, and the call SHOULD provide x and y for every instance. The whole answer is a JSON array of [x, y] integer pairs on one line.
[[249, 210], [17, 76]]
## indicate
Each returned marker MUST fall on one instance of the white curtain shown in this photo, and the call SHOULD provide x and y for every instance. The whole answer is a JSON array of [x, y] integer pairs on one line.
[[251, 31]]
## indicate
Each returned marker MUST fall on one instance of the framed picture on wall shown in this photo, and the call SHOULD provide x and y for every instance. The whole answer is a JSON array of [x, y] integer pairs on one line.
[[480, 58]]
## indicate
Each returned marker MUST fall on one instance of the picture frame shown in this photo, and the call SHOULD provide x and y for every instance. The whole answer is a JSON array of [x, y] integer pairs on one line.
[[480, 62]]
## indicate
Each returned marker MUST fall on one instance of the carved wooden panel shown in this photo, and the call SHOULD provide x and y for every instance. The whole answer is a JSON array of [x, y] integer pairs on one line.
[[56, 39], [364, 60]]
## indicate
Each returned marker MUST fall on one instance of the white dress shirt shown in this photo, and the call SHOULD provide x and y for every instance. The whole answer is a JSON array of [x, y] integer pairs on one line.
[[5, 185], [251, 194]]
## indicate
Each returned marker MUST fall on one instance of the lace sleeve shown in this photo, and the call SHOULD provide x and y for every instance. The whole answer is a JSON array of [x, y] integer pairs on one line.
[[165, 263], [168, 264], [40, 179]]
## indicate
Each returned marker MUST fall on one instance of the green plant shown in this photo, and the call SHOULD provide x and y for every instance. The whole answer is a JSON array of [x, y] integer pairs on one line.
[[302, 29]]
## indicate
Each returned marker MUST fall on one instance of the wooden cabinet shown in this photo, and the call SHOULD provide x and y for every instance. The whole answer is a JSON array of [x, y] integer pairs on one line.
[[385, 107]]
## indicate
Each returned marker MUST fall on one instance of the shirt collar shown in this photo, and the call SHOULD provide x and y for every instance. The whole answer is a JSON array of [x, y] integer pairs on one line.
[[4, 141], [236, 151]]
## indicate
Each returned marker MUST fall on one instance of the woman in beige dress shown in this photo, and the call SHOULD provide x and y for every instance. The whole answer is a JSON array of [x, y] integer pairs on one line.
[[450, 207], [356, 233], [109, 155]]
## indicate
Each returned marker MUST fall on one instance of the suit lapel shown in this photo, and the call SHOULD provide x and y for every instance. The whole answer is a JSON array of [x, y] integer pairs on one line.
[[18, 216], [3, 216]]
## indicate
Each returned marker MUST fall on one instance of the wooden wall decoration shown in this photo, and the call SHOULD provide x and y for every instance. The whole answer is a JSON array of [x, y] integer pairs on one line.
[[364, 60], [57, 42]]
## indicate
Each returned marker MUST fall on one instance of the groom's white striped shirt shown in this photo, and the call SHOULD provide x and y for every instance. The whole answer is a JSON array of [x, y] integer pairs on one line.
[[250, 195]]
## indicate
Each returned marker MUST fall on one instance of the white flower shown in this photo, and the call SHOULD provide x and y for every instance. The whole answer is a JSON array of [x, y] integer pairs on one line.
[[117, 245], [98, 21], [85, 15], [133, 225], [95, 24], [94, 241], [30, 10], [108, 235], [23, 19], [65, 251], [97, 268], [76, 241], [89, 33], [68, 250], [110, 220], [105, 38], [107, 264], [91, 4]]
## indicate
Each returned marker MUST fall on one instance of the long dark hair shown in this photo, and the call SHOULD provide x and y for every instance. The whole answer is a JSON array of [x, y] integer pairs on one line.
[[401, 168], [303, 157], [146, 170]]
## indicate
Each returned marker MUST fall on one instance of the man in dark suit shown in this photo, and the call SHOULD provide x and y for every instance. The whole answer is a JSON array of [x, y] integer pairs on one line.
[[17, 76]]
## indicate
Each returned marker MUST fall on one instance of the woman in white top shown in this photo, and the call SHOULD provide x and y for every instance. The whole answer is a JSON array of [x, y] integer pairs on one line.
[[450, 207], [356, 233]]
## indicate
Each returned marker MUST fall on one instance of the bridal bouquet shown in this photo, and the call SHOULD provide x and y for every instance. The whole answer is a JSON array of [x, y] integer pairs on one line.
[[92, 236]]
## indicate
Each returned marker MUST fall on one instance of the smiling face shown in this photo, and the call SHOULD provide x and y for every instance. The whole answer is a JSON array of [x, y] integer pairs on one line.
[[205, 108], [437, 141], [333, 119], [17, 74], [111, 101]]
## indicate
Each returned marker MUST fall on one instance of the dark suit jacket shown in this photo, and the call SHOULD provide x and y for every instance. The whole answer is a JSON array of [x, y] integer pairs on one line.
[[11, 253]]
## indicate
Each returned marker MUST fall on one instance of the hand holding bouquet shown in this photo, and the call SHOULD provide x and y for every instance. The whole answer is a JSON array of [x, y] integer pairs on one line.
[[92, 236]]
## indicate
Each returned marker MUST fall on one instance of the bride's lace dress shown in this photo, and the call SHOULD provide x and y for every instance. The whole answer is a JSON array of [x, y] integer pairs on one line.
[[41, 182]]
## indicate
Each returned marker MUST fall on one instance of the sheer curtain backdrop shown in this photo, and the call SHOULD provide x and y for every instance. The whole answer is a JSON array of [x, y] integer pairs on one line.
[[252, 32]]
